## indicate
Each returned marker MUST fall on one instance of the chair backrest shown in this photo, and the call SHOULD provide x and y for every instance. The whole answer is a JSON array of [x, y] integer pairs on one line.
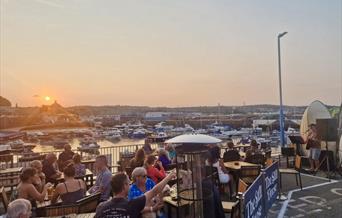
[[236, 213], [249, 171], [242, 186], [129, 171], [256, 159], [88, 204], [7, 159], [288, 151], [61, 210], [231, 155], [298, 162], [4, 198]]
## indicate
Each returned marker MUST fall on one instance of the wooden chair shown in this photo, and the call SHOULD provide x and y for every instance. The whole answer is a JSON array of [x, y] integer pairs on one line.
[[295, 171], [288, 152], [89, 203], [242, 186], [61, 210], [256, 159], [4, 198], [249, 173], [129, 171]]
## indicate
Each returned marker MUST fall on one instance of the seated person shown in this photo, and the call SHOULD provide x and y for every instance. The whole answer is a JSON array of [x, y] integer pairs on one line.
[[27, 190], [254, 149], [163, 157], [103, 178], [147, 147], [152, 171], [172, 152], [215, 161], [138, 160], [80, 169], [20, 208], [141, 183], [40, 181], [71, 190], [65, 157], [231, 154], [119, 206], [49, 168]]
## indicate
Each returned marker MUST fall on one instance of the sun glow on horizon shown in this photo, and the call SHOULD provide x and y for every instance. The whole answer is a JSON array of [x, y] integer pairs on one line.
[[47, 98]]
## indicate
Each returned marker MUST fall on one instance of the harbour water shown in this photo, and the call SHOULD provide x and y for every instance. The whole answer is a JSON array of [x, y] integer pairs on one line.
[[103, 143]]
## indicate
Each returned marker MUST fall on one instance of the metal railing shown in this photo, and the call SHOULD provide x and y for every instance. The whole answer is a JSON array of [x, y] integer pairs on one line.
[[113, 154]]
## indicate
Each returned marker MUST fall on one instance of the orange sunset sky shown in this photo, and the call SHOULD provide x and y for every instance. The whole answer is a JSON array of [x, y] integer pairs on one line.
[[170, 53]]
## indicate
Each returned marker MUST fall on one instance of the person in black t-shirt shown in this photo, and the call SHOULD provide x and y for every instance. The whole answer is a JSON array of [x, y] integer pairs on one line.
[[65, 157], [120, 207]]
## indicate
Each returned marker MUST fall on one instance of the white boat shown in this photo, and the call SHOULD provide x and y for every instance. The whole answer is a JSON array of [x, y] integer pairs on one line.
[[5, 149]]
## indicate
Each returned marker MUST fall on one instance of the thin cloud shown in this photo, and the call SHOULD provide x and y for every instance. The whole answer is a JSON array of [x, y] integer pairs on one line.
[[50, 3]]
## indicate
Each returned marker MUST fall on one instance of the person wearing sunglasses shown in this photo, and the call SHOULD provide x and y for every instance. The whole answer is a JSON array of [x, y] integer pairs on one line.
[[120, 206], [141, 183]]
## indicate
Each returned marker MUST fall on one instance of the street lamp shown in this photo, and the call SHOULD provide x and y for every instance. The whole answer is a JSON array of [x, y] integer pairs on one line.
[[281, 114]]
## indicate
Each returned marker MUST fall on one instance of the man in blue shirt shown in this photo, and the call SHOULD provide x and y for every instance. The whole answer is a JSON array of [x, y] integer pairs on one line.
[[103, 178]]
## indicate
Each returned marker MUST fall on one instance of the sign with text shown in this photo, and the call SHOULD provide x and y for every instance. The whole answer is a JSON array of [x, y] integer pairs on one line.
[[254, 199], [271, 177]]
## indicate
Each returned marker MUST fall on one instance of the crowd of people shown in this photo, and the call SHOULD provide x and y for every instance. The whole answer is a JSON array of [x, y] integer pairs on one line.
[[139, 195]]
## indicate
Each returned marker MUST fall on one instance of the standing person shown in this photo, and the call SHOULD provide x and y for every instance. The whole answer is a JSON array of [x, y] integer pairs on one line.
[[40, 176], [20, 208], [80, 169], [49, 168], [71, 190], [138, 160], [65, 157], [314, 144], [152, 171], [103, 177], [119, 206]]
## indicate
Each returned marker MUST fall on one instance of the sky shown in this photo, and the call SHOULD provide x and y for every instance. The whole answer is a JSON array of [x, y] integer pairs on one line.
[[170, 53]]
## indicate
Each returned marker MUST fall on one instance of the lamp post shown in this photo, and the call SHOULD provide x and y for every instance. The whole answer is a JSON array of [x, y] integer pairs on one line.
[[281, 114]]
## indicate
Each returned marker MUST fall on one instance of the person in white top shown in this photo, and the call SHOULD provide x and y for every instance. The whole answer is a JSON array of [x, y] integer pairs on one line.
[[215, 161]]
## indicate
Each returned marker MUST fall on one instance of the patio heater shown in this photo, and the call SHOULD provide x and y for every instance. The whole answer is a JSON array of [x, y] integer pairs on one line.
[[191, 171]]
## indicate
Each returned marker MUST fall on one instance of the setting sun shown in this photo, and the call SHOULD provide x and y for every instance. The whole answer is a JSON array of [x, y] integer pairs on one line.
[[47, 98]]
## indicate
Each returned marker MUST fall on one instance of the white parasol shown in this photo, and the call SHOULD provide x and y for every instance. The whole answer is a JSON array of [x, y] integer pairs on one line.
[[194, 139]]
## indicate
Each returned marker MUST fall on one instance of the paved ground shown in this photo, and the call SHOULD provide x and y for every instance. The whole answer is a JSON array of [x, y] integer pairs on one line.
[[319, 198]]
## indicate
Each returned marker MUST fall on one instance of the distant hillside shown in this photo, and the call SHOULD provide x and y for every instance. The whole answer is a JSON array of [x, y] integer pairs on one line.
[[119, 109], [4, 102]]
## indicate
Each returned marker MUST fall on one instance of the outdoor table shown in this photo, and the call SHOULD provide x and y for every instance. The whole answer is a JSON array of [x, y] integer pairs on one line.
[[88, 177], [236, 165], [14, 170], [242, 154]]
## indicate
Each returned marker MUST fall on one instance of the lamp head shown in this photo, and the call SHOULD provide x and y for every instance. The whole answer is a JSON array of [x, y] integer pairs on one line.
[[282, 34]]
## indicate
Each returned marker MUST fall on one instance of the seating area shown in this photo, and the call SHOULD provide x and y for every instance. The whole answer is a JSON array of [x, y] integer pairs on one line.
[[243, 170]]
